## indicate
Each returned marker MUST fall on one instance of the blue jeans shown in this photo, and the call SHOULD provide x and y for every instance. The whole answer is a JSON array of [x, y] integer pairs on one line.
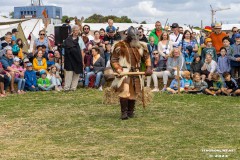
[[87, 69], [6, 82], [98, 78], [20, 82]]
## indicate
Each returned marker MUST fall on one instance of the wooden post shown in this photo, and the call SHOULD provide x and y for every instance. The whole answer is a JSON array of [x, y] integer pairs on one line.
[[178, 79]]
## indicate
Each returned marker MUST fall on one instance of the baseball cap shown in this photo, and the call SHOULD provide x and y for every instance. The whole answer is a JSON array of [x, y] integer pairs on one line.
[[175, 25], [42, 72], [25, 60], [51, 55], [237, 35], [29, 64], [16, 59]]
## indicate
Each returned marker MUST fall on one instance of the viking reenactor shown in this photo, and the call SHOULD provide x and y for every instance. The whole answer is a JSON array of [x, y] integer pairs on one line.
[[129, 55]]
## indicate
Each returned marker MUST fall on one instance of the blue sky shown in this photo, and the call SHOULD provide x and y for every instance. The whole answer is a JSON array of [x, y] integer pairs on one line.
[[181, 11]]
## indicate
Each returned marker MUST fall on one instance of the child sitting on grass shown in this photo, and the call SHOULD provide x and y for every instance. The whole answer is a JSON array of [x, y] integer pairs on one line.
[[199, 86], [30, 78], [231, 87], [173, 88], [55, 78], [44, 83], [215, 85], [187, 82], [19, 75]]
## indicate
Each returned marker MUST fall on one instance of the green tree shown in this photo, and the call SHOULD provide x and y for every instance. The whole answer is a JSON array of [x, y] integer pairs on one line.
[[143, 22], [11, 14], [97, 18], [66, 17]]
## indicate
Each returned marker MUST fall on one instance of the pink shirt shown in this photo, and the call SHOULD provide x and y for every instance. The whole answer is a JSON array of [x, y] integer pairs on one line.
[[17, 75]]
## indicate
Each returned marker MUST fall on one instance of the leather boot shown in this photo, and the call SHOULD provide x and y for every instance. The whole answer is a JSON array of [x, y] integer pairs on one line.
[[131, 107], [124, 108]]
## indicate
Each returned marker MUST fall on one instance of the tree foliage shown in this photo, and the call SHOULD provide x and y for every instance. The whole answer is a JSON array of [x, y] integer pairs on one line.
[[97, 18], [66, 17]]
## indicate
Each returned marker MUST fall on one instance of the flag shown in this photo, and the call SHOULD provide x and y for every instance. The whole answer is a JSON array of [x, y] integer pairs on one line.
[[44, 13]]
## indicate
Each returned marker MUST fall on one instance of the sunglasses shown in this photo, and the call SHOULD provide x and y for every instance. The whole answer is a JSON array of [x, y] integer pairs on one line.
[[42, 34], [86, 28], [155, 53]]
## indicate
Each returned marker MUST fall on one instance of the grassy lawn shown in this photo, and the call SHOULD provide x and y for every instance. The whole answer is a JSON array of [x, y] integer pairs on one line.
[[76, 125]]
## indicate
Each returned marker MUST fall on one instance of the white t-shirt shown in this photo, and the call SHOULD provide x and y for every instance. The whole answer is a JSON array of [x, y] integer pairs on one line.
[[211, 67], [173, 38]]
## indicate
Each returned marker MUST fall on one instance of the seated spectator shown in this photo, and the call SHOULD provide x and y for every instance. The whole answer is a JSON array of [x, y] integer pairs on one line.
[[55, 78], [25, 62], [187, 82], [223, 64], [111, 37], [198, 85], [173, 88], [175, 60], [216, 85], [6, 76], [209, 50], [39, 63], [87, 62], [97, 42], [30, 78], [231, 87], [158, 68], [50, 61], [19, 75], [7, 40], [44, 83], [7, 61], [97, 68], [196, 65], [208, 68], [189, 57]]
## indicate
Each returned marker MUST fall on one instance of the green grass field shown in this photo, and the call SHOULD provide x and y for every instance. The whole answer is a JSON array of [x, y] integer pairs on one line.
[[76, 125]]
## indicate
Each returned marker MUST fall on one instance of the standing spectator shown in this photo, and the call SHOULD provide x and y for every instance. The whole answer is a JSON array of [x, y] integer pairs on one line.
[[102, 33], [20, 45], [142, 36], [97, 42], [234, 32], [86, 32], [39, 63], [194, 37], [223, 63], [67, 24], [156, 33], [235, 57], [14, 34], [19, 76], [97, 68], [42, 40], [73, 60], [176, 36], [209, 50], [187, 41], [181, 30], [217, 37], [7, 61], [208, 68], [30, 78], [175, 60], [206, 33], [44, 83], [151, 47]]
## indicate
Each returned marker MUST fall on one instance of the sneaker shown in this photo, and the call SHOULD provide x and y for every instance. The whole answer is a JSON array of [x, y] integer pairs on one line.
[[155, 90], [100, 88]]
